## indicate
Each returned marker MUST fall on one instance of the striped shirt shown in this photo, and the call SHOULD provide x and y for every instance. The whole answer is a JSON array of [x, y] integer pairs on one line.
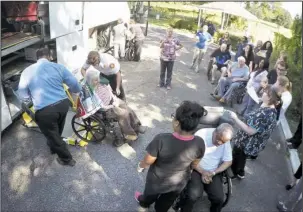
[[105, 94]]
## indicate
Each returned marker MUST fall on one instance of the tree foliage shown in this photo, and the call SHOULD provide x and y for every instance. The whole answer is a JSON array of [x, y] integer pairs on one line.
[[293, 49], [271, 12]]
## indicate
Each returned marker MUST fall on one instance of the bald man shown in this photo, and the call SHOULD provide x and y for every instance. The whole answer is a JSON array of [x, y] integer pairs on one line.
[[207, 176], [220, 58]]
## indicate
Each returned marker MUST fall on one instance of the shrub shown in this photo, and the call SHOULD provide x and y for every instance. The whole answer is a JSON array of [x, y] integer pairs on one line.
[[293, 49], [184, 24]]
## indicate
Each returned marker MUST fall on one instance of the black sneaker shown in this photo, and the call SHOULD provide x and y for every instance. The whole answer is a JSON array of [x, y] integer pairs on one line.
[[71, 162], [241, 177], [252, 158], [175, 207]]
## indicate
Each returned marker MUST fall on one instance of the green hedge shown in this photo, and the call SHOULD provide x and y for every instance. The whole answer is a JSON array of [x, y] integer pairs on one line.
[[184, 24], [293, 48]]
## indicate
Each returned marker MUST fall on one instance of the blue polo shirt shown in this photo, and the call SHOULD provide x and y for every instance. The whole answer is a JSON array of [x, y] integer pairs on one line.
[[203, 38], [43, 83]]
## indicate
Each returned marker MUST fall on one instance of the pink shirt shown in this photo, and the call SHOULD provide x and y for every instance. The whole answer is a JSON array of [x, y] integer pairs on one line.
[[105, 94], [168, 52]]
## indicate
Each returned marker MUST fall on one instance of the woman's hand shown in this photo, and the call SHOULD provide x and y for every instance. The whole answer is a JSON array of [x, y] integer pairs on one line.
[[115, 103], [118, 92], [233, 115]]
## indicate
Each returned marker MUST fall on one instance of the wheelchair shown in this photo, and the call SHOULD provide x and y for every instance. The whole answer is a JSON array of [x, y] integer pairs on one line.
[[96, 127], [227, 189], [212, 119], [92, 123], [129, 50], [210, 67]]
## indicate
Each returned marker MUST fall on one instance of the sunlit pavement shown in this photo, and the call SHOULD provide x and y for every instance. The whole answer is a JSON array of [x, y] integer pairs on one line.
[[105, 177]]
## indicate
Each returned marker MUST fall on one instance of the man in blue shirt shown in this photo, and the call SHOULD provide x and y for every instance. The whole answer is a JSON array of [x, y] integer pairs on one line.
[[42, 82], [203, 38], [220, 58]]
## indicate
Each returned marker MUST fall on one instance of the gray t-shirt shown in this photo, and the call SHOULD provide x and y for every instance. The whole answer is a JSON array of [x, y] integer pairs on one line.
[[236, 71], [137, 32]]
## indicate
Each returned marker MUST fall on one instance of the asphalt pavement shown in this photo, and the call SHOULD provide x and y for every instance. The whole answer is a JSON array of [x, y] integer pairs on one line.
[[105, 177]]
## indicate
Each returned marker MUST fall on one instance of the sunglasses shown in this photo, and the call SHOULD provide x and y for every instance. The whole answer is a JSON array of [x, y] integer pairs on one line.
[[204, 114]]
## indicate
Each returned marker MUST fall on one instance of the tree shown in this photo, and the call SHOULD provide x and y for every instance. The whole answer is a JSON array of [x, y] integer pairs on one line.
[[293, 49], [271, 12]]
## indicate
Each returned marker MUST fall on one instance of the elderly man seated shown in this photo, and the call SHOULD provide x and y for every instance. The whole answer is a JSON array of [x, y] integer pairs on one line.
[[237, 73], [220, 58], [208, 174]]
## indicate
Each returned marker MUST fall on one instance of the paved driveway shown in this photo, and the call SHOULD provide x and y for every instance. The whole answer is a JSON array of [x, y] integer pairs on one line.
[[105, 177]]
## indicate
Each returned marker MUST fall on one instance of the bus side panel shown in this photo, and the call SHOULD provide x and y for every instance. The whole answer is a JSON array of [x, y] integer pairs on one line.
[[65, 18], [6, 119]]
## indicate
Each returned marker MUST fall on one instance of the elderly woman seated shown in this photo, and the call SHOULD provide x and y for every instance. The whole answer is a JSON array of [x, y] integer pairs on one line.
[[128, 120], [237, 73]]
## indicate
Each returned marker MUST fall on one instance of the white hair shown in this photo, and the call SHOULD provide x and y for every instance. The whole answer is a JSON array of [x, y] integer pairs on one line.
[[91, 74], [241, 58], [224, 129]]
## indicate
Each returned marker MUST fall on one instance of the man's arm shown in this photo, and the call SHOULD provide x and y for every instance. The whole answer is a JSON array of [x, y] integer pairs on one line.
[[225, 165], [119, 79], [84, 68], [70, 80], [23, 90], [210, 39]]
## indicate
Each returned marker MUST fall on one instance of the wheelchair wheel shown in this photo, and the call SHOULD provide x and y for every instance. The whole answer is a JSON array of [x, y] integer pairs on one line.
[[209, 68], [130, 54], [92, 127], [227, 188]]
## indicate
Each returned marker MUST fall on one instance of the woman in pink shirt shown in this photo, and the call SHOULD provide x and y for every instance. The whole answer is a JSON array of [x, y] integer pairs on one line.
[[168, 46], [128, 120]]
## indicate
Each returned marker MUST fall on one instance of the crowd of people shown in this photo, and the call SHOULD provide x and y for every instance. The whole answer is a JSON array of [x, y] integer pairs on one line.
[[185, 163]]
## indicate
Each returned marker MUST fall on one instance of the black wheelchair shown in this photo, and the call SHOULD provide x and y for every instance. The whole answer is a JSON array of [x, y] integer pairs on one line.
[[238, 94], [129, 50], [91, 122], [96, 127], [214, 118]]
